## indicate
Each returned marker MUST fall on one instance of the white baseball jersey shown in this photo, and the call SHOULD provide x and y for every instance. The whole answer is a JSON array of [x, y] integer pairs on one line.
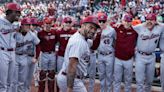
[[7, 34], [26, 44], [106, 41], [161, 42], [147, 40], [77, 47]]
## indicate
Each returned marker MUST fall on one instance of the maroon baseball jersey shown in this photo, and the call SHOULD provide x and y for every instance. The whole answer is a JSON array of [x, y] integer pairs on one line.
[[125, 42], [47, 41], [63, 37]]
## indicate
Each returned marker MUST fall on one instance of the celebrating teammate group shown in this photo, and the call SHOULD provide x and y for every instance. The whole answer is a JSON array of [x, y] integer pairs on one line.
[[69, 50]]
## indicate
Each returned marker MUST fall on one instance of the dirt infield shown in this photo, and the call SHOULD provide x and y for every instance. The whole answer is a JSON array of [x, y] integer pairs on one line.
[[96, 89]]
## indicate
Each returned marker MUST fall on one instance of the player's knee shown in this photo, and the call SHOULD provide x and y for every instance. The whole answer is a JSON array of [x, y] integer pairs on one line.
[[42, 74], [51, 74]]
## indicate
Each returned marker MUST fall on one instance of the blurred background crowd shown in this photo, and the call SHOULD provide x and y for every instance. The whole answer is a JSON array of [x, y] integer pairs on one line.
[[78, 9]]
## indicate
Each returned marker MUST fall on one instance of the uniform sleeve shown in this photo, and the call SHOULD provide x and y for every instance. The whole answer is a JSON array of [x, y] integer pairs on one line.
[[161, 42], [137, 28], [38, 47], [114, 33], [1, 26], [57, 36], [75, 50], [36, 40]]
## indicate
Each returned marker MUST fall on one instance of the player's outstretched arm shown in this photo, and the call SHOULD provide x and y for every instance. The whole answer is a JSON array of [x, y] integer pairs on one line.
[[71, 73]]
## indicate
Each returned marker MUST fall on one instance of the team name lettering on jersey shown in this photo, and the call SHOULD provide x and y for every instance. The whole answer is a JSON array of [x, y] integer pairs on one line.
[[65, 35], [24, 43], [49, 37], [146, 37], [7, 30]]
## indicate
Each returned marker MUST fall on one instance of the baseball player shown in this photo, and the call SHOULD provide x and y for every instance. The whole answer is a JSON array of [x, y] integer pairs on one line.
[[148, 37], [76, 58], [93, 44], [105, 54], [34, 26], [125, 43], [25, 39], [7, 46], [63, 36], [31, 55], [161, 45], [47, 57]]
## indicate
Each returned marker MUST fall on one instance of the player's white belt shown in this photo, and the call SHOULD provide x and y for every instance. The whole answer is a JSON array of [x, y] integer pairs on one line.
[[7, 49], [145, 53], [105, 53], [76, 76]]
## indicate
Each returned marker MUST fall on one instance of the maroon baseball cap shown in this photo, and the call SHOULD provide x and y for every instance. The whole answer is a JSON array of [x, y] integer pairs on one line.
[[151, 16], [127, 18], [102, 16], [67, 19], [13, 7], [34, 21], [91, 19], [25, 21]]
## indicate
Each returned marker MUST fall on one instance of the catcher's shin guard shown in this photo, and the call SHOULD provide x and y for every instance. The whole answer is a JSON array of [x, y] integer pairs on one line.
[[42, 81], [51, 80]]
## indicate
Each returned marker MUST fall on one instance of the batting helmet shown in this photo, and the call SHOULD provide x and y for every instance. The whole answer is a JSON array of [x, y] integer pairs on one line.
[[91, 19], [13, 7]]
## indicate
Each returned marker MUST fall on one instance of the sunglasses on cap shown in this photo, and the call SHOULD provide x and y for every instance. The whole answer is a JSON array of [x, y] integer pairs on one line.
[[68, 22], [102, 21]]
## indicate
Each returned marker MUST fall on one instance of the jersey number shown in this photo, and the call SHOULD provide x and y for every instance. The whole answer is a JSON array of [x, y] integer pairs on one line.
[[107, 41]]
